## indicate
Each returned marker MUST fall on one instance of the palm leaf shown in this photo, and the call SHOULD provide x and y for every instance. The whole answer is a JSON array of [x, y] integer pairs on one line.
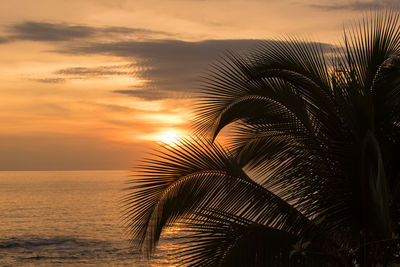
[[221, 239], [194, 175], [217, 238]]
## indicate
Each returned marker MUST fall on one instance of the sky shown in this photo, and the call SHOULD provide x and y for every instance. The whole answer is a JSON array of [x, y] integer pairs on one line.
[[95, 84]]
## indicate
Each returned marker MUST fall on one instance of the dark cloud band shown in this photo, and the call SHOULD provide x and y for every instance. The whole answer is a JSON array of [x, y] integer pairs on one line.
[[360, 5], [57, 32]]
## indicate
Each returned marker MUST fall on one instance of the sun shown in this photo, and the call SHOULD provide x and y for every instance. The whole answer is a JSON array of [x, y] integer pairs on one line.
[[168, 137]]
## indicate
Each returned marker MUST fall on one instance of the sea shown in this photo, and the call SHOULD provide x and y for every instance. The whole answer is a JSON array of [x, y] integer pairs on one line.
[[68, 218]]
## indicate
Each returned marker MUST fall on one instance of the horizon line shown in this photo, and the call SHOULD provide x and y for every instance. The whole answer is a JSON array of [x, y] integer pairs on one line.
[[60, 170]]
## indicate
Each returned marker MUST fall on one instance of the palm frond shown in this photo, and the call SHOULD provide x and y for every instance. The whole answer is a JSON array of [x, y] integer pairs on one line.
[[221, 239], [217, 238], [193, 175]]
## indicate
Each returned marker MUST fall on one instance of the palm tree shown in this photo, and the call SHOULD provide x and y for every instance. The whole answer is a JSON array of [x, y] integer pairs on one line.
[[309, 176]]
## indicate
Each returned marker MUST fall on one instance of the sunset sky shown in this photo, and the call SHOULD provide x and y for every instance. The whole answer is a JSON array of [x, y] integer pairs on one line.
[[91, 84]]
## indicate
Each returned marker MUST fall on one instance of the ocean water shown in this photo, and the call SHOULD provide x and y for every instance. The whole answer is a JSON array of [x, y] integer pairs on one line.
[[67, 218]]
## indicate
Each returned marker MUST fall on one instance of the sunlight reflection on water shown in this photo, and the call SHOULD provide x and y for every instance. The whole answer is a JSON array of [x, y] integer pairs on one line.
[[68, 218]]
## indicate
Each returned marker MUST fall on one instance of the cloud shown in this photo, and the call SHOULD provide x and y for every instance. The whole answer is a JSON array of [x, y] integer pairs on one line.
[[168, 66], [4, 40], [163, 49], [359, 5], [63, 75], [172, 68], [51, 80], [146, 94], [39, 31], [115, 108], [84, 72], [57, 32]]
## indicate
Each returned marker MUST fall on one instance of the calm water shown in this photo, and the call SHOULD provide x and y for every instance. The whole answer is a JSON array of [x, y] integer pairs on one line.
[[69, 218]]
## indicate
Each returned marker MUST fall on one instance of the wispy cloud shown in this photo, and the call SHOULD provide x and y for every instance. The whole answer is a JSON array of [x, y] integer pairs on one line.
[[58, 32], [100, 71], [359, 5], [4, 40], [66, 74], [50, 80], [39, 31], [146, 94]]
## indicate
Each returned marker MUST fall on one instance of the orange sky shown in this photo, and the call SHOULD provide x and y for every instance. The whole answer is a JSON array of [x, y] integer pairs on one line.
[[90, 84]]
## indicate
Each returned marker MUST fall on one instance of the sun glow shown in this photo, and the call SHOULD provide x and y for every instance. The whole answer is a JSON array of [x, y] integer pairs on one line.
[[168, 137]]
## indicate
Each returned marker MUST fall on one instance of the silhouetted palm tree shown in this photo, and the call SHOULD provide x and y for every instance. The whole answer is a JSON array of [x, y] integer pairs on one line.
[[311, 175]]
